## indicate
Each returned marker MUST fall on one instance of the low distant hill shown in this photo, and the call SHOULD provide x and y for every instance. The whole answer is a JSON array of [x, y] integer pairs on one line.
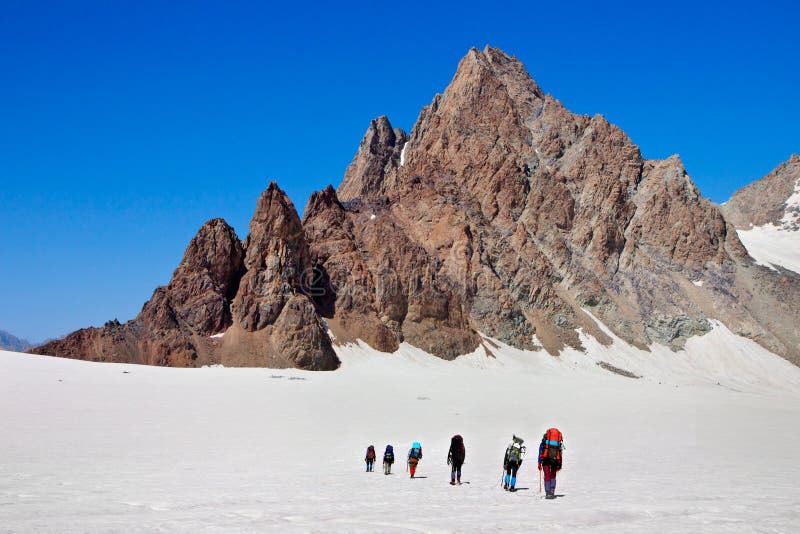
[[11, 342]]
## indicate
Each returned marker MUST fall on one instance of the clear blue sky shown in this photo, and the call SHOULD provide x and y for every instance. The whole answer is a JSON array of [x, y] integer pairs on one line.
[[124, 125]]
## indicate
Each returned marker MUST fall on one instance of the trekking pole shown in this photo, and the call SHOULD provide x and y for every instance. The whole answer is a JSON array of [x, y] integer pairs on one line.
[[540, 481]]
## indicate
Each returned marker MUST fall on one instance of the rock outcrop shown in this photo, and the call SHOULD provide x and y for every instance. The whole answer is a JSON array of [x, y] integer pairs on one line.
[[384, 286], [530, 214], [220, 287], [767, 200]]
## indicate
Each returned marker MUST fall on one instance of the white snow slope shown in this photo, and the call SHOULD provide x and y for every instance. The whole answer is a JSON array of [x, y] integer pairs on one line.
[[705, 441], [772, 245]]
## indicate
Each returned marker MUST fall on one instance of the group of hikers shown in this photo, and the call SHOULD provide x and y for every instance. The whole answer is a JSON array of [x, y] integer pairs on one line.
[[549, 460]]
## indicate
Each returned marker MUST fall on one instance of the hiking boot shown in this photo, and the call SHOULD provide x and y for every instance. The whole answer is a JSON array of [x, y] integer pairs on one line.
[[452, 483], [550, 496], [512, 488]]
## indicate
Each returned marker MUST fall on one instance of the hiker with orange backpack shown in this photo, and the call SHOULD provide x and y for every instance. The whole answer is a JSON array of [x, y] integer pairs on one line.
[[370, 458], [455, 458], [550, 459]]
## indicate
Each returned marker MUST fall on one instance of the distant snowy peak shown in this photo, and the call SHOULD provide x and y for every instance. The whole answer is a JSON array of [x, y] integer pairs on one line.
[[766, 214]]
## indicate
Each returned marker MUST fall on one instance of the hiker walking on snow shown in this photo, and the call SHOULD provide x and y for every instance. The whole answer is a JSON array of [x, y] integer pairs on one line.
[[512, 462], [455, 458], [414, 456], [388, 460], [550, 457], [370, 458]]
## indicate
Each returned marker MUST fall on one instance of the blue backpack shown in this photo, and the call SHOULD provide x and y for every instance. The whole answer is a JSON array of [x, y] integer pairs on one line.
[[388, 456], [416, 450]]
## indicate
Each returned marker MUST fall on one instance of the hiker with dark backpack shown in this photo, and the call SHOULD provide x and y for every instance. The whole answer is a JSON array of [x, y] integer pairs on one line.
[[388, 460], [370, 458], [512, 461], [550, 458], [455, 458], [414, 456]]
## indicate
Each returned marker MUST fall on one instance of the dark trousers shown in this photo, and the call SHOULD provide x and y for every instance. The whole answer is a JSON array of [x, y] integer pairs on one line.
[[455, 473], [370, 463]]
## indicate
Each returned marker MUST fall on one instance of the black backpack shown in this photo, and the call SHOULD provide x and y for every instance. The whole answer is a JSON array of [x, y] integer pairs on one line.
[[457, 451]]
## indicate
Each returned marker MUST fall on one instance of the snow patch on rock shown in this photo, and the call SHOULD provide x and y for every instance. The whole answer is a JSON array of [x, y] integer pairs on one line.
[[771, 245]]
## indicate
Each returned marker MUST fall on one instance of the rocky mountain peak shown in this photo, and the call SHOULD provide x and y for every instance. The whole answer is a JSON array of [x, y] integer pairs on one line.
[[478, 66], [376, 162], [527, 212], [207, 278], [502, 213], [275, 219], [774, 199], [216, 251], [276, 258], [321, 200]]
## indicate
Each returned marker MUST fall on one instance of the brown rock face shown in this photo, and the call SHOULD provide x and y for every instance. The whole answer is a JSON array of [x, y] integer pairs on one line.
[[527, 214], [375, 165], [764, 201], [175, 322], [251, 293], [501, 212], [389, 294], [274, 293]]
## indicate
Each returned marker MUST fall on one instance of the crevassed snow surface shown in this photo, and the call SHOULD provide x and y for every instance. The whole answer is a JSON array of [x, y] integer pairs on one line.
[[89, 447]]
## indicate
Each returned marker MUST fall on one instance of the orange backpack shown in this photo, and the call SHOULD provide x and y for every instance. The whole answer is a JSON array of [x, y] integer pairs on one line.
[[553, 441]]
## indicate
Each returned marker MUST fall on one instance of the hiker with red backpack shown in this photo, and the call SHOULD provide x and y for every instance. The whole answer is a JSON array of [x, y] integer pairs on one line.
[[550, 458], [370, 458], [455, 458], [414, 456]]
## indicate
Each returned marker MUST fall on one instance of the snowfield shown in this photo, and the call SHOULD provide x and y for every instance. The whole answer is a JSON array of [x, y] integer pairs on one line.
[[705, 441], [777, 245], [771, 245]]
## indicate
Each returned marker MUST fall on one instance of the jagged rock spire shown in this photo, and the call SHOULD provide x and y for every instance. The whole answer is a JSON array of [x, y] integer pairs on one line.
[[377, 158]]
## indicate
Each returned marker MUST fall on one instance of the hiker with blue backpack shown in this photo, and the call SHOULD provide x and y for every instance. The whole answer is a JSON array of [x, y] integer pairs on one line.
[[414, 456], [550, 459], [388, 460], [512, 461]]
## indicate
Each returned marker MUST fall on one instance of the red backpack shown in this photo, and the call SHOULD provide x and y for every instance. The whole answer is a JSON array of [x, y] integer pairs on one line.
[[553, 442]]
